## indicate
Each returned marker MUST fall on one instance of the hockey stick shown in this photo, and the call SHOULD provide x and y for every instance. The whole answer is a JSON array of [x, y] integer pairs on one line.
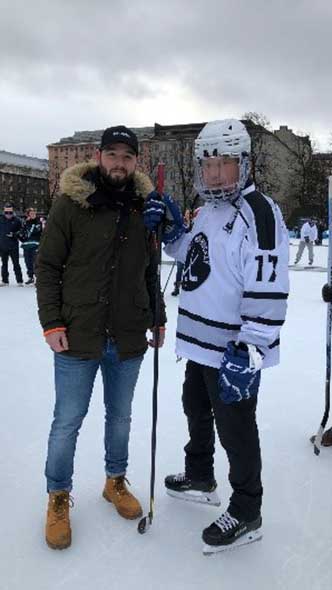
[[192, 207], [169, 276], [319, 435], [146, 521]]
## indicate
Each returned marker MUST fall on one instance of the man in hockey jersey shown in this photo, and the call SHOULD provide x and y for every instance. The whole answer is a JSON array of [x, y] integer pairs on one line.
[[308, 238], [232, 306]]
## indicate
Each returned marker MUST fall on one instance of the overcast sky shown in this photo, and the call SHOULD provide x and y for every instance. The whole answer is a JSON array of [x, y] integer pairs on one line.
[[70, 65]]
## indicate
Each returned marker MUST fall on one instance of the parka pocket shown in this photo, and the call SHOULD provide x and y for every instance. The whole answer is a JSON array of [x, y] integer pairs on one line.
[[143, 313]]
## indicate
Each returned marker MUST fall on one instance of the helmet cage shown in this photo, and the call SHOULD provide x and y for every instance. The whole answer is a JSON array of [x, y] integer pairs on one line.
[[221, 193]]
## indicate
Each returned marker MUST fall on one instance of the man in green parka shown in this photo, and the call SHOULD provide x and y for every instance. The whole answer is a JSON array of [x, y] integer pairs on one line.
[[96, 287]]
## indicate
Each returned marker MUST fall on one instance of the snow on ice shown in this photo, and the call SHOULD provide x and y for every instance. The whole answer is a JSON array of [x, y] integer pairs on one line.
[[107, 552]]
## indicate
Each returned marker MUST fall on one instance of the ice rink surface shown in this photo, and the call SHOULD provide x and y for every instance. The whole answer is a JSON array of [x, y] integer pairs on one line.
[[107, 553]]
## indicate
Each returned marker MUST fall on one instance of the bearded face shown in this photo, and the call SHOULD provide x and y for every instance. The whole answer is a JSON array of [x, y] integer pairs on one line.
[[117, 165]]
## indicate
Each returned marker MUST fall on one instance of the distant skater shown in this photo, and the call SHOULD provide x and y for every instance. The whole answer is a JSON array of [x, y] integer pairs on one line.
[[308, 238]]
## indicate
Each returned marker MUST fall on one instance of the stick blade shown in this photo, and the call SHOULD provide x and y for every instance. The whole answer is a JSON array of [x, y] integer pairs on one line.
[[318, 441], [143, 525]]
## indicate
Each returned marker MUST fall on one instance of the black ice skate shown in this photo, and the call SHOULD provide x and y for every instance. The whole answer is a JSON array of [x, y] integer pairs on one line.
[[227, 533], [181, 487]]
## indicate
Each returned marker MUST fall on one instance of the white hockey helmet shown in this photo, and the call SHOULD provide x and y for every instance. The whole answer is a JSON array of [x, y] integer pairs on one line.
[[218, 139]]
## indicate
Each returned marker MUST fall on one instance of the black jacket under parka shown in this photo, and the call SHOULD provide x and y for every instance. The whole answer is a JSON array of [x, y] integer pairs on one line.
[[97, 267]]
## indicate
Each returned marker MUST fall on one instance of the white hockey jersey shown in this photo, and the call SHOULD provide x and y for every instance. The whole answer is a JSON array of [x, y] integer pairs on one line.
[[235, 279], [309, 231]]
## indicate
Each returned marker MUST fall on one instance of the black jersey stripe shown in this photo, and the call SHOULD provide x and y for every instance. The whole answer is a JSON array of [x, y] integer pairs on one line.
[[198, 318], [206, 345], [264, 295], [275, 343], [264, 220], [264, 321]]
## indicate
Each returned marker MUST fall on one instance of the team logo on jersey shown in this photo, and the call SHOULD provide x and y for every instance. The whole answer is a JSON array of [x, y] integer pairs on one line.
[[197, 266]]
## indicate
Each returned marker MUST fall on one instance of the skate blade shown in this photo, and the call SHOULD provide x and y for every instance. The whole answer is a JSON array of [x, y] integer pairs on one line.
[[250, 537], [210, 498]]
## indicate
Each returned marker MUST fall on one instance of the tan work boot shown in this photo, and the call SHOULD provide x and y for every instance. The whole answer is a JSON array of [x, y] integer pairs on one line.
[[116, 491], [58, 531]]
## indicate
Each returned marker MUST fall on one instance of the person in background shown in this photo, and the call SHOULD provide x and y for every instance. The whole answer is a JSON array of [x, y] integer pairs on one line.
[[30, 235], [308, 238], [327, 435], [10, 227], [320, 231], [43, 221]]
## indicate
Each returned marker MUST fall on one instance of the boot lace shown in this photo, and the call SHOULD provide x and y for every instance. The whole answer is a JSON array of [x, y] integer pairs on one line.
[[120, 486], [226, 522], [60, 504]]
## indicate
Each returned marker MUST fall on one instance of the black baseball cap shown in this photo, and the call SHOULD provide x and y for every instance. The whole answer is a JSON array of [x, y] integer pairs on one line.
[[119, 134]]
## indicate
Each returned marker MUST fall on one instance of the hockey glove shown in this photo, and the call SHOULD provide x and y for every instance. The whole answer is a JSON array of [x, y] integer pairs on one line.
[[166, 211], [154, 211], [307, 240], [239, 375]]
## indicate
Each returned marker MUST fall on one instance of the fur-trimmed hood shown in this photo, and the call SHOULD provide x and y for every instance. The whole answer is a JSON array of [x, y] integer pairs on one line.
[[74, 185]]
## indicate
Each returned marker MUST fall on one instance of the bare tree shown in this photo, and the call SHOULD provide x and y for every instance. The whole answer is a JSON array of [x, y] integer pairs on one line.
[[257, 118], [54, 183], [185, 169], [309, 178], [263, 162], [330, 143], [303, 152]]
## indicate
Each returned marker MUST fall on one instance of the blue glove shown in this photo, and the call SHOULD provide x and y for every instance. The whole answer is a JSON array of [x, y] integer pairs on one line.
[[174, 224], [238, 378], [154, 211], [167, 211]]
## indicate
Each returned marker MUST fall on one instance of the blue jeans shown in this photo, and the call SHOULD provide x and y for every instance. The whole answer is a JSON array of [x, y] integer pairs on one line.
[[74, 379]]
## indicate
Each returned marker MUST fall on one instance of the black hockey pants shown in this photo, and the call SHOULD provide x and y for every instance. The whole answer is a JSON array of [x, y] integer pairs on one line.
[[238, 434], [14, 255]]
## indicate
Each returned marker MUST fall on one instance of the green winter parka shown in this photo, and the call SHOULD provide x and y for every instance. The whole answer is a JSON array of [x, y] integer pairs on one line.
[[91, 280]]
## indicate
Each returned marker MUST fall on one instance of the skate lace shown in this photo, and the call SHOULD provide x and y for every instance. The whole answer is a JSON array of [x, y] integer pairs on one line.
[[226, 522], [60, 505], [180, 477]]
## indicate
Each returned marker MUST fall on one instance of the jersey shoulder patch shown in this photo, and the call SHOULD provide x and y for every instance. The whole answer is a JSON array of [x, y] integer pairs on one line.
[[264, 220]]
